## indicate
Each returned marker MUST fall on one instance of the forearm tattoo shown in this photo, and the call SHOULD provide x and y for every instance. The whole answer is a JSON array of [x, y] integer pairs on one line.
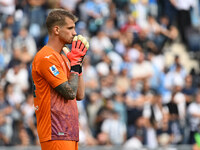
[[68, 89]]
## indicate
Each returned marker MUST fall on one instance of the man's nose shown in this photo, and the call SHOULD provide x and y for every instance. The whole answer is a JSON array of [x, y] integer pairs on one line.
[[74, 33]]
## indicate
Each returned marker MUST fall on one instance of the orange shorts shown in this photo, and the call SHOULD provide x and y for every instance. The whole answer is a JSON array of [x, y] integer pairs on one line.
[[59, 145]]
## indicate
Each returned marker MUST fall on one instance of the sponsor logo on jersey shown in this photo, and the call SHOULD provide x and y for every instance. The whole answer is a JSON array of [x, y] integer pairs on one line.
[[48, 56]]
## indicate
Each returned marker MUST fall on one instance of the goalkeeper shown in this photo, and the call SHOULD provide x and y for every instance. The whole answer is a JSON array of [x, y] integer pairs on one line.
[[58, 83]]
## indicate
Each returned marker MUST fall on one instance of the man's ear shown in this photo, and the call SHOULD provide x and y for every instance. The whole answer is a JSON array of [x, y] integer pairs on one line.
[[56, 30]]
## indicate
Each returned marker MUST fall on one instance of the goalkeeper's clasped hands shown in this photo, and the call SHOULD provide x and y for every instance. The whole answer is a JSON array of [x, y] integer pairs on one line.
[[79, 48]]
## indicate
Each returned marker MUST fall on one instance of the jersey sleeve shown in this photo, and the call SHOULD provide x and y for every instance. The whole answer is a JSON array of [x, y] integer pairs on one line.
[[51, 70]]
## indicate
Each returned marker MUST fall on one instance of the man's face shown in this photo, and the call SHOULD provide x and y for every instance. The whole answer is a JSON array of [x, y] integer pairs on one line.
[[67, 32]]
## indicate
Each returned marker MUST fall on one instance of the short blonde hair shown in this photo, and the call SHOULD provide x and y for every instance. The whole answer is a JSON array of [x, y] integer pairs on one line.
[[57, 17]]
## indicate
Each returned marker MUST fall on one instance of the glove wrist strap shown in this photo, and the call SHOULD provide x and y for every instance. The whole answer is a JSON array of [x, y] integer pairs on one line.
[[80, 71], [76, 69]]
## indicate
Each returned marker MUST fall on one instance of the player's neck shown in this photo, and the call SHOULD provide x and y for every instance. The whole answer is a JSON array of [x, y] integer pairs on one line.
[[55, 45]]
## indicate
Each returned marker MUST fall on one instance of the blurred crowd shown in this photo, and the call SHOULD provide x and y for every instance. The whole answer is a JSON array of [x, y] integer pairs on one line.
[[133, 98]]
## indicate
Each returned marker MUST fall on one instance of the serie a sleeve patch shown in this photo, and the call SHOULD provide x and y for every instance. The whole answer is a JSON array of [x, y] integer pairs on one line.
[[54, 70]]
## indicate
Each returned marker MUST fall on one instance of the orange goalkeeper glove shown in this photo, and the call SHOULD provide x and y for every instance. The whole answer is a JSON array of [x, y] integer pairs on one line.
[[79, 48]]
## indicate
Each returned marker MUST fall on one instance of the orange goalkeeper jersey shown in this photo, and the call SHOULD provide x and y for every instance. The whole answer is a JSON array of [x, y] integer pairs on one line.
[[57, 118]]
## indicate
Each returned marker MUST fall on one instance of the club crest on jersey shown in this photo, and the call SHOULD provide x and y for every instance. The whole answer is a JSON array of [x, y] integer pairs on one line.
[[54, 70]]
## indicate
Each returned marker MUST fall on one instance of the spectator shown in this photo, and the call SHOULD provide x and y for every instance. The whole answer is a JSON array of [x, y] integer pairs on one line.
[[134, 102], [153, 8], [103, 67], [122, 82], [18, 75], [131, 26], [175, 78], [15, 100], [153, 28], [114, 129], [81, 29], [69, 5], [103, 113], [104, 45], [126, 64], [139, 131], [6, 44], [6, 8], [174, 121], [194, 117], [177, 63], [189, 89], [25, 44], [183, 16], [96, 11], [153, 113], [134, 142], [110, 30], [85, 134], [164, 133], [134, 52], [6, 130], [29, 119], [157, 63], [32, 10], [116, 60], [119, 106], [90, 75], [12, 23], [107, 86], [92, 108], [142, 69], [125, 40]]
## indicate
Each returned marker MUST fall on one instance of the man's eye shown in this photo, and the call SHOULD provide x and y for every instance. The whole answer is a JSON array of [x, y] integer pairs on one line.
[[70, 28]]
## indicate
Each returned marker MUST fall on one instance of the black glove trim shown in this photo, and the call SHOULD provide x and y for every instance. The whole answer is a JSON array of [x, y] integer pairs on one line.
[[76, 68]]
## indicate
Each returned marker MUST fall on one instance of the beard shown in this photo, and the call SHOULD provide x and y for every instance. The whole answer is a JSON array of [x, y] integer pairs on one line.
[[66, 39]]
